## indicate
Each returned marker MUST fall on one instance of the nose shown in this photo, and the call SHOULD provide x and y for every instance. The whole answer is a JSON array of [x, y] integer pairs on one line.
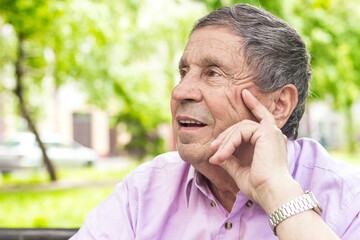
[[187, 90]]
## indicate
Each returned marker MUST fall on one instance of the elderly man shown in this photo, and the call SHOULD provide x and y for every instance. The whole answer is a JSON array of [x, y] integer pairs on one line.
[[244, 76]]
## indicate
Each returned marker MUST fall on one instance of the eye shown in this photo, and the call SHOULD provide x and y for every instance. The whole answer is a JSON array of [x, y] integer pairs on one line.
[[183, 72], [213, 73]]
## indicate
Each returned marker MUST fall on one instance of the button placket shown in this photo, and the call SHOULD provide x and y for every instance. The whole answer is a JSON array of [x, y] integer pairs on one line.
[[228, 225], [249, 203]]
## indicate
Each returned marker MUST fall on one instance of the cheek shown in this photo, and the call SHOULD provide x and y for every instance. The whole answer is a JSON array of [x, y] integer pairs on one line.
[[227, 110], [173, 105], [236, 107], [231, 109]]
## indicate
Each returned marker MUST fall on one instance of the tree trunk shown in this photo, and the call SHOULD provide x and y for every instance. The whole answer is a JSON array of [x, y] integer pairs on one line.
[[350, 133], [19, 93]]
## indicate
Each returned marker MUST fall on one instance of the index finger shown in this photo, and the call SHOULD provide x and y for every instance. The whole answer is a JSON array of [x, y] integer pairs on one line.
[[257, 108]]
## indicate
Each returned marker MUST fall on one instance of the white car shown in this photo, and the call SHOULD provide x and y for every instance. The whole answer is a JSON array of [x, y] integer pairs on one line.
[[20, 150]]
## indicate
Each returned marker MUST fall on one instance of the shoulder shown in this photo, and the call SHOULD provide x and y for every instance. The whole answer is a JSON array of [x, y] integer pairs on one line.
[[335, 183], [142, 196], [310, 156]]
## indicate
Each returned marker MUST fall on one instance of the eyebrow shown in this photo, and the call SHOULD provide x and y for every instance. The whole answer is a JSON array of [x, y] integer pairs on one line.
[[207, 61]]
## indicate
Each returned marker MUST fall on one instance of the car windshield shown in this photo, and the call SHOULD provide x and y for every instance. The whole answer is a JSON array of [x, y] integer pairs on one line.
[[57, 144]]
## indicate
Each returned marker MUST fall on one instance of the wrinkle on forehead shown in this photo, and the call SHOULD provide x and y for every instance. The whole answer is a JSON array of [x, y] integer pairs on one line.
[[223, 52], [218, 39]]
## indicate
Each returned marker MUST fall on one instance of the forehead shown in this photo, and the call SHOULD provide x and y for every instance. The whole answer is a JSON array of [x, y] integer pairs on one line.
[[213, 44]]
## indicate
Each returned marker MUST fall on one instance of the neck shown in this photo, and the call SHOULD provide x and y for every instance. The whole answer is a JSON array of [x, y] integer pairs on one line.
[[221, 184]]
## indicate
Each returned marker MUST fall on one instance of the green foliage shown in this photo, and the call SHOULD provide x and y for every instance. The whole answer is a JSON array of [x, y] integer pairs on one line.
[[28, 200], [352, 158], [333, 38], [334, 42], [87, 42], [30, 20], [274, 6], [54, 209], [123, 54]]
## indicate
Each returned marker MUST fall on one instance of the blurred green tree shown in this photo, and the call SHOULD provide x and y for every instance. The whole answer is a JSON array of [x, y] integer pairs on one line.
[[123, 54], [332, 33], [118, 53], [274, 6], [31, 20]]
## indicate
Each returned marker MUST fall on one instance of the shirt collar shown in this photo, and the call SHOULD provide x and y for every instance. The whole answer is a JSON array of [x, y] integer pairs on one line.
[[189, 180], [195, 179]]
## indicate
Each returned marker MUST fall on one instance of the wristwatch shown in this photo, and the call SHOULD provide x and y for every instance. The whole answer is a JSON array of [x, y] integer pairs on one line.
[[303, 203]]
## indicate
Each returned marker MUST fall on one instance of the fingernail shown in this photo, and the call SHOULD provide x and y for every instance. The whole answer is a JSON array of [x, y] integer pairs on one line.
[[211, 160], [247, 92]]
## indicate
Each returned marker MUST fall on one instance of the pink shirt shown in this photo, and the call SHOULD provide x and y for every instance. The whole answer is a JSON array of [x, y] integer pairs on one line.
[[167, 199]]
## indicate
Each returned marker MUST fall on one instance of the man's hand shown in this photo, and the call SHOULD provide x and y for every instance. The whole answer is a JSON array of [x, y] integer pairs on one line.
[[268, 167], [266, 177]]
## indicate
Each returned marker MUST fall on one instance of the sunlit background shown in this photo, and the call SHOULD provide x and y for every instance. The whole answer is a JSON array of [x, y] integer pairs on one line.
[[96, 76]]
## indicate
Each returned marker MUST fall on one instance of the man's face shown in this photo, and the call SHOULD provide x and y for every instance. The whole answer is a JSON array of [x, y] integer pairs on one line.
[[208, 98]]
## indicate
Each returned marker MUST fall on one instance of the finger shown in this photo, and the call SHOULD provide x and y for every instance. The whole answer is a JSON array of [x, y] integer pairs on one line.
[[216, 143], [225, 151], [235, 136], [257, 108]]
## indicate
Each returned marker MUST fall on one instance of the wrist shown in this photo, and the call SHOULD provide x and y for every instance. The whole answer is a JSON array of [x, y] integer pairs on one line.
[[276, 192], [298, 205]]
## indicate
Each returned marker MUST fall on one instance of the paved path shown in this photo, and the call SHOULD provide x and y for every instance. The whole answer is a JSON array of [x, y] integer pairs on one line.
[[103, 165]]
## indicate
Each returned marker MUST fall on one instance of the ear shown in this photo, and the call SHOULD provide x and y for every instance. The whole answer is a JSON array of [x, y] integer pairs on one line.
[[286, 99]]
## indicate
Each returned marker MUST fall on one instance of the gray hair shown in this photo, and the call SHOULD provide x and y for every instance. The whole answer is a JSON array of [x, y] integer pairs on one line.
[[273, 50]]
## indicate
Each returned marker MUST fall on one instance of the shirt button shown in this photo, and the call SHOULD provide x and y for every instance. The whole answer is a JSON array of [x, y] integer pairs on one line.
[[213, 204], [228, 225], [249, 203]]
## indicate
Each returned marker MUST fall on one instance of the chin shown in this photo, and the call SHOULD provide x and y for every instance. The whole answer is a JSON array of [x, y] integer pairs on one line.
[[194, 154]]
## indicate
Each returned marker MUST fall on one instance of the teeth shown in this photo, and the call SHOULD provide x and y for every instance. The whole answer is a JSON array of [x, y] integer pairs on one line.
[[189, 122]]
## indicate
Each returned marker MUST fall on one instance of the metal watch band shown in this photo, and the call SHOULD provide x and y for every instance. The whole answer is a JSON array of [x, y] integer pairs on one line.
[[303, 203]]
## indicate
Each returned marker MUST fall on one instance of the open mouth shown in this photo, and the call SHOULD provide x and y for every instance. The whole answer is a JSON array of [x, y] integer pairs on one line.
[[190, 123]]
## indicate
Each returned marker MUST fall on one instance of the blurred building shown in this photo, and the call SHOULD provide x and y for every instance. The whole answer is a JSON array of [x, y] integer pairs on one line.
[[67, 113], [322, 123]]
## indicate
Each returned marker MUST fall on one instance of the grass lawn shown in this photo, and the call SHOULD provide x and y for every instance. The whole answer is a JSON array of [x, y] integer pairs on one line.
[[27, 199], [352, 158], [51, 208]]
